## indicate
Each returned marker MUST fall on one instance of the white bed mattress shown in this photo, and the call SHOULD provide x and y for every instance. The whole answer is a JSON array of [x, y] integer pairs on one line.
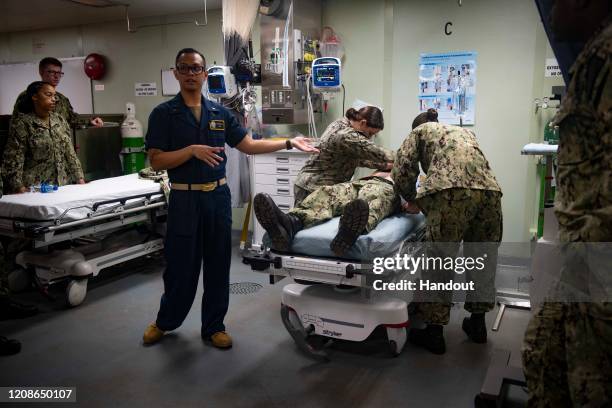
[[49, 206]]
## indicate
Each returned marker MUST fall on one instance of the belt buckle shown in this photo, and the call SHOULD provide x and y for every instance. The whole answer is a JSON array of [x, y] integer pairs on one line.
[[209, 186]]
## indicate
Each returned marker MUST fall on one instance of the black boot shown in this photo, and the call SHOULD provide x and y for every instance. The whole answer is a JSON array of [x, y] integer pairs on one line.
[[12, 310], [9, 347], [292, 223], [475, 327], [431, 338], [352, 223], [281, 227]]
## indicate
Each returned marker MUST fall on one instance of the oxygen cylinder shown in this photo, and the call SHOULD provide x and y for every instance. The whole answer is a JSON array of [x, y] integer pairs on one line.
[[133, 142]]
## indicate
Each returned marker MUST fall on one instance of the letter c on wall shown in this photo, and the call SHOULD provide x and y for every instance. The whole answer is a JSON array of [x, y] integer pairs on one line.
[[447, 31]]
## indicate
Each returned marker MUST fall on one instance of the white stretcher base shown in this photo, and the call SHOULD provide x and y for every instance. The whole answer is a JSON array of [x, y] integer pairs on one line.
[[326, 311]]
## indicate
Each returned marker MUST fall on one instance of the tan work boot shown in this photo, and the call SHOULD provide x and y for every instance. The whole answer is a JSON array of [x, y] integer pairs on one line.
[[221, 340], [152, 334]]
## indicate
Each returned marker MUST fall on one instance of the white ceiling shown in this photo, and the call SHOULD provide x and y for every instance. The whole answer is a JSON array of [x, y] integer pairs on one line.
[[22, 15]]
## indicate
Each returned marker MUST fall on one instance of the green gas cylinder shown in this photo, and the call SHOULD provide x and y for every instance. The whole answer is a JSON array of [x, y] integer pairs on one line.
[[133, 149]]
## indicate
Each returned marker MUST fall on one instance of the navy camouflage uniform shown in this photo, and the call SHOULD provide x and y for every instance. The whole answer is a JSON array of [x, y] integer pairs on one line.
[[328, 201], [567, 350], [341, 150], [39, 151], [199, 222], [36, 151], [461, 200]]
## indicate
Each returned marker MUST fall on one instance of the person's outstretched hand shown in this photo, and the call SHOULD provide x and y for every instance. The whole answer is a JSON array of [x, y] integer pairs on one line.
[[304, 144]]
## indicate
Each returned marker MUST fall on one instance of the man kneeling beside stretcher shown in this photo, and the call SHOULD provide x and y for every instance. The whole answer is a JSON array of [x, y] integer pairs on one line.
[[362, 204]]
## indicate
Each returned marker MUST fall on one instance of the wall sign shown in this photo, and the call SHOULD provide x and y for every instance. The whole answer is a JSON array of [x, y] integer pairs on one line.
[[145, 89], [551, 68]]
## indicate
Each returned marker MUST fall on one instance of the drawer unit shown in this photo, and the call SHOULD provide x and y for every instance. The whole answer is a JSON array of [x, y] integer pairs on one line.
[[273, 190], [282, 158], [276, 180], [275, 174], [274, 169]]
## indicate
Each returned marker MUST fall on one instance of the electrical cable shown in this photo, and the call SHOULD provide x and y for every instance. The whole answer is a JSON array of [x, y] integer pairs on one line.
[[312, 127]]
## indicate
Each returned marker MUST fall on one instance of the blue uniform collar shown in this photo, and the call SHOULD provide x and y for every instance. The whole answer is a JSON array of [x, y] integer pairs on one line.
[[209, 110]]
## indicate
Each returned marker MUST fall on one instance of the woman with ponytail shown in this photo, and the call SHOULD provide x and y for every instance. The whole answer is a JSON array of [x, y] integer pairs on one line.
[[345, 145], [462, 202]]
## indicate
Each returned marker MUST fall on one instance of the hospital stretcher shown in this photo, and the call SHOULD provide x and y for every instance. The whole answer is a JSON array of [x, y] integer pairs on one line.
[[77, 231], [342, 304]]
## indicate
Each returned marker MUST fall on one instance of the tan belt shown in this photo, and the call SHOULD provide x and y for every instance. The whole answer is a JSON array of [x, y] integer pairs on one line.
[[199, 187]]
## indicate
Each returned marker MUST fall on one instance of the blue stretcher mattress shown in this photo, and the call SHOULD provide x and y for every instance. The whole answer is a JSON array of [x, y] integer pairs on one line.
[[383, 241]]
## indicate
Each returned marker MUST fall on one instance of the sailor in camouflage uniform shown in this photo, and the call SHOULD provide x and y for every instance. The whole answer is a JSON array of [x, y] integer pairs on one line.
[[567, 352], [362, 204], [50, 70], [39, 148], [462, 202], [345, 145]]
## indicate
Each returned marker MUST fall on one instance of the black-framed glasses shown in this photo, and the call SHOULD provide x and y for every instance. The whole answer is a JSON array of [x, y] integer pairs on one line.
[[55, 73], [184, 69]]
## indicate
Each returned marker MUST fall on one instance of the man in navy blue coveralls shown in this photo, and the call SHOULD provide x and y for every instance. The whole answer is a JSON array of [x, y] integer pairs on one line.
[[186, 136]]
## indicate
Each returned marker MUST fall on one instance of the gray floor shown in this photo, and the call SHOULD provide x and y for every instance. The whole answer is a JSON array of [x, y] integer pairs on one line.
[[97, 348]]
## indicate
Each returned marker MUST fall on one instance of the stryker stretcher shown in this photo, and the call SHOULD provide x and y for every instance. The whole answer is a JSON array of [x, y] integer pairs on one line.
[[79, 230], [346, 307]]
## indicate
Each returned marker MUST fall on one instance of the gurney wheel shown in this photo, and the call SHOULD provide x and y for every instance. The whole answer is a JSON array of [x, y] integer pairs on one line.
[[19, 280], [393, 348], [76, 291]]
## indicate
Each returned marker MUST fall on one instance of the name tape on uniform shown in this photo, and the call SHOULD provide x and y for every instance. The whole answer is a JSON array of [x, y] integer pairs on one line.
[[217, 125]]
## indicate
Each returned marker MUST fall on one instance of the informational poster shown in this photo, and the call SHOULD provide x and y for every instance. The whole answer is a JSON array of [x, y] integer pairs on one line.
[[447, 82]]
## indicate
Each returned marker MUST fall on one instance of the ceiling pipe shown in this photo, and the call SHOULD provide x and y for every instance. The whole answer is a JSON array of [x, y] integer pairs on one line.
[[130, 29], [195, 21]]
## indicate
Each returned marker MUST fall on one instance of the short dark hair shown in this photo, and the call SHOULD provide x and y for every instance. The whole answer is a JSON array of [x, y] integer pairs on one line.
[[189, 51], [27, 105], [431, 115], [372, 115], [45, 62]]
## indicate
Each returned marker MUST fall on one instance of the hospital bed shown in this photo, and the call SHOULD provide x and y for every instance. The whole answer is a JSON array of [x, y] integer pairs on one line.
[[75, 232], [334, 298]]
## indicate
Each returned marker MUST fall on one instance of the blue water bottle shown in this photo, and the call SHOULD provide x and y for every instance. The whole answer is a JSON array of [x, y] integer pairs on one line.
[[47, 188]]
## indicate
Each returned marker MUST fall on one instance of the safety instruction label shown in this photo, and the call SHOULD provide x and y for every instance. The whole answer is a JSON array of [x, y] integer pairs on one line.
[[551, 69], [145, 89]]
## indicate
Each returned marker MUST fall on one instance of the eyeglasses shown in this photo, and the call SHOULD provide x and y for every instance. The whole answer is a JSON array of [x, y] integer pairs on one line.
[[55, 73], [184, 69]]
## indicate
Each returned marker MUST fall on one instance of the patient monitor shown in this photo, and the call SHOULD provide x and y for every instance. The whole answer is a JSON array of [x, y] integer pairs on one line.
[[221, 82], [326, 74]]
